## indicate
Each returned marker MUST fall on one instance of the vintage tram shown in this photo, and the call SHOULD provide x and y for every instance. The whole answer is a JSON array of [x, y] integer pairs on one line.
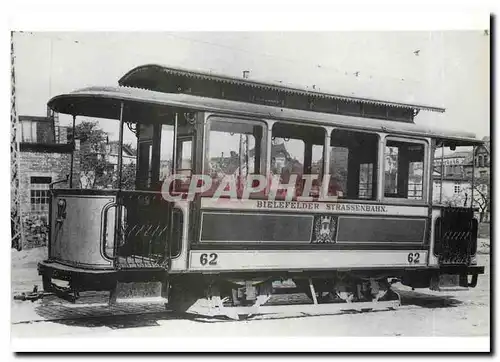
[[339, 200]]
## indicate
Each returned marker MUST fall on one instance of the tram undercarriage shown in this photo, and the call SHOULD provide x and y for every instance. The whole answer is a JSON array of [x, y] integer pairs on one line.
[[236, 297]]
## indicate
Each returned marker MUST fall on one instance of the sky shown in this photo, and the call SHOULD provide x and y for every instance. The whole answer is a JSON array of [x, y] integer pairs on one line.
[[447, 69]]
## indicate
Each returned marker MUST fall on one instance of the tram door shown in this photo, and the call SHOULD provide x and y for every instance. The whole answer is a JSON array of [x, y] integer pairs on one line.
[[147, 216]]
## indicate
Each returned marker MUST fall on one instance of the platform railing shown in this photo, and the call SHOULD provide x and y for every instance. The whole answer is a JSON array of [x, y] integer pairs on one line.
[[143, 230], [456, 236]]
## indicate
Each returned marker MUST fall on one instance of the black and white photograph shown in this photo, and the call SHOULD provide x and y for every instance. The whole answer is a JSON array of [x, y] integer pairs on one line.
[[201, 184]]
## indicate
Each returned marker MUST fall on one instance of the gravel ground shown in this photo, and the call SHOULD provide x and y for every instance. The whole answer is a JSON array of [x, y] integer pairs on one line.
[[423, 313]]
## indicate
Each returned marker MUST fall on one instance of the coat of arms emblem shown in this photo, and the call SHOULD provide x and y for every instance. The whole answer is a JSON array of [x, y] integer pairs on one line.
[[325, 227]]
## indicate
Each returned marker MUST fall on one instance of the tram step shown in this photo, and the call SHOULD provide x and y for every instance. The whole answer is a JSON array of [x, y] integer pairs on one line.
[[447, 283], [138, 292]]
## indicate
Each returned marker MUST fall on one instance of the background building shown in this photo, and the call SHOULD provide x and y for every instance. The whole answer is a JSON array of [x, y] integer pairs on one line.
[[456, 181], [44, 157]]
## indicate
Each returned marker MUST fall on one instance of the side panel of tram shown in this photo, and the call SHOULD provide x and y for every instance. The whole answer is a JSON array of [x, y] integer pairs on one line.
[[88, 212], [263, 235], [320, 236]]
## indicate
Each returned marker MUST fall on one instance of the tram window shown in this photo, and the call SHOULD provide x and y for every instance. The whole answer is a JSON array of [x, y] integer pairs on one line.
[[166, 150], [365, 181], [338, 170], [145, 164], [184, 161], [156, 148], [234, 148], [287, 157], [353, 159], [404, 170], [297, 150], [317, 168]]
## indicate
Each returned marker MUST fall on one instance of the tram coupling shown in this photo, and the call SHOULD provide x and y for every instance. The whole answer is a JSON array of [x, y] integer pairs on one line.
[[32, 296]]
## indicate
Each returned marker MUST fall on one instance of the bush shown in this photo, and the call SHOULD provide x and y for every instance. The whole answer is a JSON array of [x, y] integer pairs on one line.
[[36, 231]]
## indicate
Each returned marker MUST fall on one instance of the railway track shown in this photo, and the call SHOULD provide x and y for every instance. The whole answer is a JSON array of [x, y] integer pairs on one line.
[[51, 310]]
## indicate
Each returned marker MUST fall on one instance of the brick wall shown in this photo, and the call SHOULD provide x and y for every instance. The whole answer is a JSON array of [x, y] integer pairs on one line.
[[45, 164]]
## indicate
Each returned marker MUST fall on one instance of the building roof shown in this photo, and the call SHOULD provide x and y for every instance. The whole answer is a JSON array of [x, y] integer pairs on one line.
[[276, 150], [487, 143], [145, 76], [126, 148], [104, 102]]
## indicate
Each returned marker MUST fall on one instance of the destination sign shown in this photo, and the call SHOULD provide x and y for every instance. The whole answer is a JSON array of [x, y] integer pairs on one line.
[[313, 207], [297, 205]]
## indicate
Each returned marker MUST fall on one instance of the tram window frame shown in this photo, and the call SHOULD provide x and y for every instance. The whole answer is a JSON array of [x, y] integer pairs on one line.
[[299, 132], [425, 178], [354, 142], [145, 160], [182, 185], [259, 167], [153, 155]]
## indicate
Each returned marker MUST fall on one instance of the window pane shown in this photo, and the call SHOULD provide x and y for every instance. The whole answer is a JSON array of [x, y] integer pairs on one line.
[[39, 193], [317, 169], [184, 160], [287, 157], [338, 170], [296, 150], [404, 167], [33, 132], [353, 159], [229, 154], [391, 170], [234, 149], [26, 131], [166, 150], [365, 181], [184, 163]]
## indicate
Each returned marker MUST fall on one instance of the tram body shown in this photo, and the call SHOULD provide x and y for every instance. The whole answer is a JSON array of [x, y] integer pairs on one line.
[[346, 239]]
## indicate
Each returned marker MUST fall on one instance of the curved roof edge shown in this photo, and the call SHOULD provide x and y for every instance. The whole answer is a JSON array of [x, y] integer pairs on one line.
[[78, 103], [268, 85]]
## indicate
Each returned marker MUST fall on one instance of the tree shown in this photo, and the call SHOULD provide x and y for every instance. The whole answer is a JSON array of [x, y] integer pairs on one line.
[[128, 177], [459, 199], [482, 195], [95, 171]]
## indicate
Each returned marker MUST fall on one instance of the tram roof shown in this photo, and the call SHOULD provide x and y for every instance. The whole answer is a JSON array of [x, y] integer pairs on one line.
[[105, 102], [150, 76]]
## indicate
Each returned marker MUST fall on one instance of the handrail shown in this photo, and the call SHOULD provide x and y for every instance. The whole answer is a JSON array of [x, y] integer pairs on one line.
[[51, 185]]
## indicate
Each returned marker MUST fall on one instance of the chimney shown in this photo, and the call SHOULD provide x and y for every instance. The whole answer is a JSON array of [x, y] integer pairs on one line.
[[246, 73]]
